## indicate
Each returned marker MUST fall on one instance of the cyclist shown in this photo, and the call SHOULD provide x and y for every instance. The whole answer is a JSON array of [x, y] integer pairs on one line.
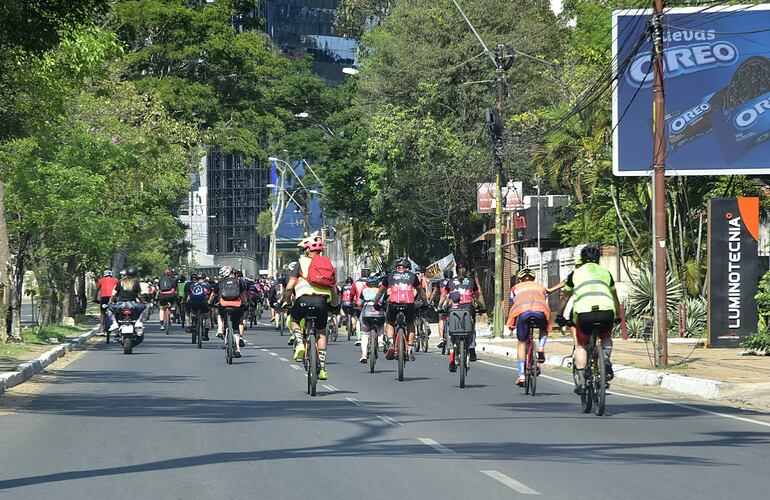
[[466, 291], [372, 320], [181, 284], [529, 302], [166, 295], [102, 295], [595, 301], [358, 287], [230, 294], [347, 298], [307, 294], [196, 297], [401, 286], [273, 295], [438, 292]]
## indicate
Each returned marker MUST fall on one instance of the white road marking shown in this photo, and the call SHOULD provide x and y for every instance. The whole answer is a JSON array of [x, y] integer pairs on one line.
[[273, 354], [295, 367], [390, 420], [655, 400], [509, 482], [330, 388], [356, 402], [436, 446], [283, 359], [264, 350]]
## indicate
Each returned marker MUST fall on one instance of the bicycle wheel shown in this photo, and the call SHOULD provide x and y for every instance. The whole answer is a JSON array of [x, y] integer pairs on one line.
[[372, 351], [182, 316], [348, 324], [600, 384], [194, 330], [418, 336], [462, 354], [281, 320], [167, 320], [532, 368], [333, 332], [312, 372], [201, 323], [527, 372], [229, 341], [401, 355], [425, 336], [445, 349], [587, 398]]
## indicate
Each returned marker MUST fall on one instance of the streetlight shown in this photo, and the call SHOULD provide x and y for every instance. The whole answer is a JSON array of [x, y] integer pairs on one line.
[[350, 71]]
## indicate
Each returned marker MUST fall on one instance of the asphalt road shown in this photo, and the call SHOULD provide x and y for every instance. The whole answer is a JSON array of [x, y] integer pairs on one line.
[[172, 421]]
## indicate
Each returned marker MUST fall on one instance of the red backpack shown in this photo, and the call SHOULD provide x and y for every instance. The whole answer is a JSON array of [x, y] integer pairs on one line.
[[321, 272]]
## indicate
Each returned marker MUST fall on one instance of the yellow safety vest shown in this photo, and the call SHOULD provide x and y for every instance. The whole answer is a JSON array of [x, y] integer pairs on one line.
[[592, 289]]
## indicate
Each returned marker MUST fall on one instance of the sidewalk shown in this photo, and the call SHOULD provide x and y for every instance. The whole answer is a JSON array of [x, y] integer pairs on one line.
[[719, 374]]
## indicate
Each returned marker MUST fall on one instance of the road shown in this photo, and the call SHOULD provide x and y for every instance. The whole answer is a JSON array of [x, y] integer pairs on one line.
[[172, 421]]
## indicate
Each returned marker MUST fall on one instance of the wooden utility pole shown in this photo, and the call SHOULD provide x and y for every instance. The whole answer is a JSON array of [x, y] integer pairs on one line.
[[659, 190]]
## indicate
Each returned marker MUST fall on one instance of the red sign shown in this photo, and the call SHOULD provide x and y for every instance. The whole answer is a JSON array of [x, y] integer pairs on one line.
[[485, 197]]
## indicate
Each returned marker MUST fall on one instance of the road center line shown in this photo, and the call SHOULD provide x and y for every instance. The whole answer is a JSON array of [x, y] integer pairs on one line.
[[390, 420], [436, 446], [283, 359], [509, 482], [355, 402], [654, 400], [273, 354], [263, 349], [295, 367], [331, 387]]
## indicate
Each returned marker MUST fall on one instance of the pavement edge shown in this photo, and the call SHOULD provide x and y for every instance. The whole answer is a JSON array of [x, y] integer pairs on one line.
[[29, 369]]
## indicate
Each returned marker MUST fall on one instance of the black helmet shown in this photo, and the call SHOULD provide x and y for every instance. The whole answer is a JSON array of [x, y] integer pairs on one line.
[[420, 269], [590, 253], [348, 280], [131, 272], [403, 263], [448, 273], [365, 272]]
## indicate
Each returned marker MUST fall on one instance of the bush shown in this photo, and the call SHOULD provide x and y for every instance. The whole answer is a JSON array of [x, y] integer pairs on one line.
[[695, 317], [640, 294], [759, 341]]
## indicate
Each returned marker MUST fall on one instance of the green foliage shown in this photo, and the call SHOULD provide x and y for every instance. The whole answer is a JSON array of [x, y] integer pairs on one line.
[[265, 223], [641, 294], [758, 341], [695, 317]]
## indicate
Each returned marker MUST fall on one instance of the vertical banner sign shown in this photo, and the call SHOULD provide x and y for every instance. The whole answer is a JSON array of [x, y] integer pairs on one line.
[[734, 270]]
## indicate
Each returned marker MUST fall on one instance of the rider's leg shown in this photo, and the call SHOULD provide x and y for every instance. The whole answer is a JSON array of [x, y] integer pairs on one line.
[[366, 333], [522, 334]]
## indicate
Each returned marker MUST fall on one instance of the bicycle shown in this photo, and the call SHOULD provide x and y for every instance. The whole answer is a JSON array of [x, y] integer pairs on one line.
[[229, 336], [373, 343], [252, 315], [198, 327], [310, 360], [401, 339], [333, 330], [595, 384], [531, 369], [346, 322], [423, 334], [105, 322], [460, 324]]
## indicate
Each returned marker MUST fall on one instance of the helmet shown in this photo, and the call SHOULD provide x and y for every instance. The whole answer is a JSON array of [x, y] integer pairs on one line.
[[420, 269], [463, 264], [226, 271], [590, 253], [292, 266], [131, 272], [402, 263], [526, 273], [108, 272], [122, 272], [194, 276], [372, 281], [313, 243], [181, 278], [348, 280], [366, 272], [447, 273], [168, 272]]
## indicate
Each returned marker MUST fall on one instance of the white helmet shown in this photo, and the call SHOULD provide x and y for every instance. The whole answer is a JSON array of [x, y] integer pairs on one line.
[[108, 272], [226, 271]]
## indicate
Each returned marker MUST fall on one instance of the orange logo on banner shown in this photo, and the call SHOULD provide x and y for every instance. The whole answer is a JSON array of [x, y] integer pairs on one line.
[[749, 208]]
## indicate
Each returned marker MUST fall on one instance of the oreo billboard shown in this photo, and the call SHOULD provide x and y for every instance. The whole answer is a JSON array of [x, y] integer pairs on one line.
[[734, 270], [717, 87]]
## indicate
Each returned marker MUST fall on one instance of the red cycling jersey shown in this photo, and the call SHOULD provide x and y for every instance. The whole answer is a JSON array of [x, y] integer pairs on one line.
[[106, 286]]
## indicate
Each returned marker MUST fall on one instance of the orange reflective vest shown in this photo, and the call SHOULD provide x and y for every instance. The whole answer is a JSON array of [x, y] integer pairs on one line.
[[528, 296]]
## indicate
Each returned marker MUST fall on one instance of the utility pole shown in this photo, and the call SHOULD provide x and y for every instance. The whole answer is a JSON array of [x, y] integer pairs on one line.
[[496, 129], [659, 191]]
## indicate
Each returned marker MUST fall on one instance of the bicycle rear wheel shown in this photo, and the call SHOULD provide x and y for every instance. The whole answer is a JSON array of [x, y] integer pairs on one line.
[[281, 320], [312, 370], [167, 319], [600, 384], [229, 343], [372, 350], [462, 353], [587, 398], [201, 323], [418, 336], [425, 335], [527, 371], [401, 355], [532, 367]]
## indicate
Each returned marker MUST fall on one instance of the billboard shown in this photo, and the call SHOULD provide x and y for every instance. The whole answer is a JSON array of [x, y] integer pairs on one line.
[[717, 88], [734, 270], [436, 270], [485, 197]]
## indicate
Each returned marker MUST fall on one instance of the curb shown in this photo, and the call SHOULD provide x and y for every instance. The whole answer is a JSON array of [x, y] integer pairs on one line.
[[29, 369], [704, 388]]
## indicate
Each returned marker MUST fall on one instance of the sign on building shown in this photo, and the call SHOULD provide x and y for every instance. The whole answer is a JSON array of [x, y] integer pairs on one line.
[[717, 84], [734, 269]]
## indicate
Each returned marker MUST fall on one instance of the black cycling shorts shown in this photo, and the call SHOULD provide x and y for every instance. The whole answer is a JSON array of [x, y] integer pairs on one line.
[[198, 305], [410, 312], [300, 309], [235, 313], [586, 321], [167, 300]]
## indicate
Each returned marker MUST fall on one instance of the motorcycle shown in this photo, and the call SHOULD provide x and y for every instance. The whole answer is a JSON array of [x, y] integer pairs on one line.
[[130, 334]]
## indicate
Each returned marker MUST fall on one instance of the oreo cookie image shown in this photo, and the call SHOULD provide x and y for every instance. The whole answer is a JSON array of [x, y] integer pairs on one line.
[[684, 126], [741, 111]]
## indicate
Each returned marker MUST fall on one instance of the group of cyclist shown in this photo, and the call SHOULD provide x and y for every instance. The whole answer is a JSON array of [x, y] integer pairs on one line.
[[374, 301]]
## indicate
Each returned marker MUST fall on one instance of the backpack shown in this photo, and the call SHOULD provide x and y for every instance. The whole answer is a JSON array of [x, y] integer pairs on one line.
[[321, 272], [230, 289], [167, 283], [198, 292]]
